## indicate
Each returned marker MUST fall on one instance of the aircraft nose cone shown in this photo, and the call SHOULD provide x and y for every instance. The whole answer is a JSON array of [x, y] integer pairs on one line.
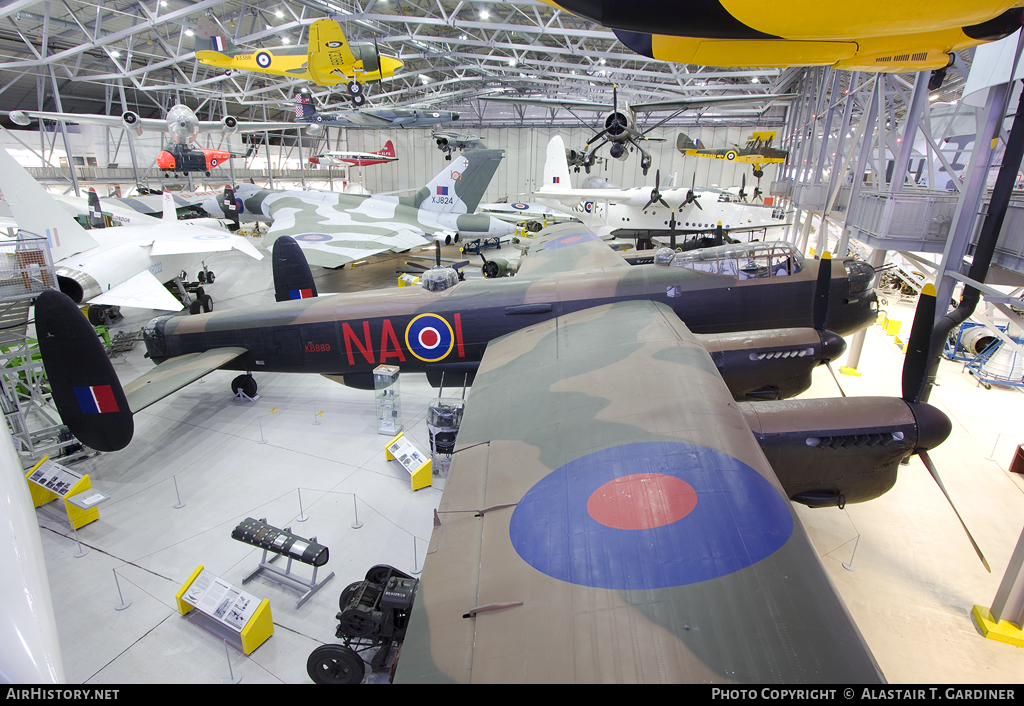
[[455, 116], [832, 345], [932, 425]]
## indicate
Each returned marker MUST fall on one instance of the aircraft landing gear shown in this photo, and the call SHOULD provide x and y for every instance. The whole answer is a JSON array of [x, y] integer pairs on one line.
[[205, 276], [244, 384], [758, 173], [354, 88]]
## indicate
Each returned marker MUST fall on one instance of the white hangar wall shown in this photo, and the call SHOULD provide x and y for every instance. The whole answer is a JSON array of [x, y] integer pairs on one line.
[[420, 160], [521, 170]]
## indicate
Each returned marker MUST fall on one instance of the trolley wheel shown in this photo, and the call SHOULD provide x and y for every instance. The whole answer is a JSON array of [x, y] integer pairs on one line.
[[335, 664], [347, 594], [379, 573], [245, 384]]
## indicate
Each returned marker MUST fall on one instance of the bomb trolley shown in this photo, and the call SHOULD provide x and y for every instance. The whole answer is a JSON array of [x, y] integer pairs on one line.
[[374, 613]]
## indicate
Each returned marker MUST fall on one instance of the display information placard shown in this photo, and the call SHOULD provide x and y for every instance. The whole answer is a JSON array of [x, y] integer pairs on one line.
[[222, 601], [55, 477]]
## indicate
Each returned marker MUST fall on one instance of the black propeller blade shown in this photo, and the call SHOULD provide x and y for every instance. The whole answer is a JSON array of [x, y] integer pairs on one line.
[[819, 314], [743, 186], [691, 197], [915, 370], [656, 194]]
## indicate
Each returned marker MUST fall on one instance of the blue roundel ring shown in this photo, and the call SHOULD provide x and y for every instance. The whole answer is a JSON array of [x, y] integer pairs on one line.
[[520, 206], [569, 240], [738, 518], [429, 337], [263, 59], [314, 237], [241, 208]]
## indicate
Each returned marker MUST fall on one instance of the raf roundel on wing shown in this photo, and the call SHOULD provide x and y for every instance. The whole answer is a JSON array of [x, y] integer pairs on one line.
[[649, 515]]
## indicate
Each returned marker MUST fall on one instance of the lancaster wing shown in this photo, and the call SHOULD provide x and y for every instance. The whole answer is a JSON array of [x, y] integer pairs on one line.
[[608, 516]]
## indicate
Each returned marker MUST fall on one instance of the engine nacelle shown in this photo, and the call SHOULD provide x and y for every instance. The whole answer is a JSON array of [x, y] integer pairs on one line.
[[314, 129], [498, 267], [79, 286], [442, 143], [228, 126], [132, 122], [19, 118], [831, 452]]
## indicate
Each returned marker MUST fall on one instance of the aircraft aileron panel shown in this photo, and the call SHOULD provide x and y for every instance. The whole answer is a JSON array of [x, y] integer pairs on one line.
[[632, 529]]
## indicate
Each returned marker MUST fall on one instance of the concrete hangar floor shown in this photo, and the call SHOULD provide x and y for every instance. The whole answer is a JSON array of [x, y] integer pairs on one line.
[[915, 583]]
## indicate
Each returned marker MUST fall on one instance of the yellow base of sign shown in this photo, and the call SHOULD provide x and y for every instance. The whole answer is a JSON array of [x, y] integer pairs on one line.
[[420, 477], [846, 370], [256, 631], [76, 515], [1003, 631]]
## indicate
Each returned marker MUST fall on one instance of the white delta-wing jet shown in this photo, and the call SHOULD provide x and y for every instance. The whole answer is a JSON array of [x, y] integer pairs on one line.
[[124, 266]]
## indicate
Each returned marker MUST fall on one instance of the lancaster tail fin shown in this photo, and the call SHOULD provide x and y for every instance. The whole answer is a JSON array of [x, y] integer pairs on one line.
[[292, 276], [556, 168], [85, 387], [36, 212]]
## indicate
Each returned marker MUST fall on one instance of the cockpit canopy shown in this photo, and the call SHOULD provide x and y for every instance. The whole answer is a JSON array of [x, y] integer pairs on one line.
[[743, 261]]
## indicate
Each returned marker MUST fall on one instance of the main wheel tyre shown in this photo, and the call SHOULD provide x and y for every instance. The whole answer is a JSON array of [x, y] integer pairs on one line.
[[207, 301], [355, 88], [210, 277], [335, 664], [201, 277], [343, 599], [195, 307], [359, 100], [245, 384]]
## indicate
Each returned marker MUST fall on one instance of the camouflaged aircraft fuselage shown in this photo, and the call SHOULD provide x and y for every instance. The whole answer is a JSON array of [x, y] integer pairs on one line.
[[422, 331]]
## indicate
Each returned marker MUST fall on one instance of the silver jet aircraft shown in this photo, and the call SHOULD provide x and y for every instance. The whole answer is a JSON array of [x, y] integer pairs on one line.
[[306, 112], [335, 229]]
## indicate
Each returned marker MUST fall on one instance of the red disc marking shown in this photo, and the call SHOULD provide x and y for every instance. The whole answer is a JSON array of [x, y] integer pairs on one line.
[[642, 501], [429, 338]]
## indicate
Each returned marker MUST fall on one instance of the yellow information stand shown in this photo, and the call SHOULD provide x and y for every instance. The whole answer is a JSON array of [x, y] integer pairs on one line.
[[412, 459], [48, 481], [228, 612]]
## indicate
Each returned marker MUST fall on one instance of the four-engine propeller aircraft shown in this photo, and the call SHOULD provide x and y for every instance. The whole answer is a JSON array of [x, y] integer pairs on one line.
[[758, 151], [342, 158], [306, 113], [868, 36], [182, 125], [123, 266], [328, 60], [644, 212], [606, 480], [336, 229], [619, 126]]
